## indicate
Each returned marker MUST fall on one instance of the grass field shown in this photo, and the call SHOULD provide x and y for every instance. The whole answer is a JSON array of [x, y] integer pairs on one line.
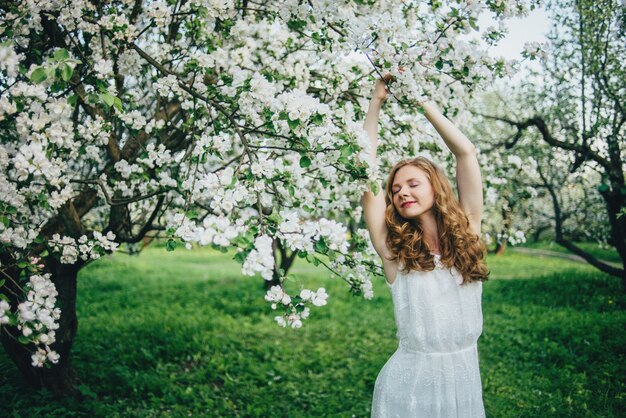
[[184, 334]]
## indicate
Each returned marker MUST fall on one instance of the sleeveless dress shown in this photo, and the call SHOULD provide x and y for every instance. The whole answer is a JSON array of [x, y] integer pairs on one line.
[[434, 372]]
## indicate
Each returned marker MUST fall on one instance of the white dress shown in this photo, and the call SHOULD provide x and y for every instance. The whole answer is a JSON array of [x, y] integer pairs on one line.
[[434, 372]]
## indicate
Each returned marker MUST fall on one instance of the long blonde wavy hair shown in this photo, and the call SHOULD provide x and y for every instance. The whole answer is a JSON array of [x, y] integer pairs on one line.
[[459, 245]]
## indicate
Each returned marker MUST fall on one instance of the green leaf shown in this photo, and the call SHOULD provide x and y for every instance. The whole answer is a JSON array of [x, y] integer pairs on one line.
[[2, 282], [347, 150], [219, 248], [241, 257], [61, 54], [44, 253], [23, 340], [603, 188], [317, 119], [305, 161], [117, 103], [192, 214], [274, 218], [38, 75], [170, 245], [107, 98], [320, 246], [292, 191], [73, 99], [293, 124], [66, 72], [296, 24]]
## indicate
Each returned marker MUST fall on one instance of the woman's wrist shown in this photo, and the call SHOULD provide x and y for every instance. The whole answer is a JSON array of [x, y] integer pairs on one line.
[[427, 106]]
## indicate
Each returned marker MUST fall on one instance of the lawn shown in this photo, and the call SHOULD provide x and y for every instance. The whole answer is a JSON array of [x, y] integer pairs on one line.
[[184, 334]]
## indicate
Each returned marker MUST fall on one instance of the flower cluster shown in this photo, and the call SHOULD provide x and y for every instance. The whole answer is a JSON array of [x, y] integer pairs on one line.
[[5, 309], [9, 60], [316, 298], [514, 238], [103, 68], [85, 248], [37, 318], [534, 50], [295, 309], [261, 258], [303, 235], [213, 230], [160, 12]]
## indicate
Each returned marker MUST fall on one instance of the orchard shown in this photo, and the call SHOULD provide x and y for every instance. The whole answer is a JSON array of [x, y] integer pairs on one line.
[[230, 124]]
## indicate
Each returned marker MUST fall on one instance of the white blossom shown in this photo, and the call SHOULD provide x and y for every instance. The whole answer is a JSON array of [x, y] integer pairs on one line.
[[260, 259], [5, 308], [103, 68]]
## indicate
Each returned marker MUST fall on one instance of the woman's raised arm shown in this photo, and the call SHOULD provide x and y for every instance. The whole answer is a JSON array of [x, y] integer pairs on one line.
[[374, 204], [469, 182]]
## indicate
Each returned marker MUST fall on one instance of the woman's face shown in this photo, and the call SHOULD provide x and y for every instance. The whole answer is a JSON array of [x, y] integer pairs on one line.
[[412, 192]]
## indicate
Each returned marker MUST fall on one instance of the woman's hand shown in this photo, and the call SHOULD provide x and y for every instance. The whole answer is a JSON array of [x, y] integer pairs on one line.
[[380, 90]]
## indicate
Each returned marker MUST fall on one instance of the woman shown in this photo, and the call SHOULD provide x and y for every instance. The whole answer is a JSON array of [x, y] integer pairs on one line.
[[433, 261]]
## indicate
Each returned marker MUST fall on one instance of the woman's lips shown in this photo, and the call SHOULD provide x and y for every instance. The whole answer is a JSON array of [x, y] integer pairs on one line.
[[407, 204]]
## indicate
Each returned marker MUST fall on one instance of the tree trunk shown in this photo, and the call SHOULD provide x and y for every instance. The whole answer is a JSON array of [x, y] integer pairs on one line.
[[274, 282], [615, 202], [538, 232], [283, 260], [60, 378], [506, 215], [501, 247]]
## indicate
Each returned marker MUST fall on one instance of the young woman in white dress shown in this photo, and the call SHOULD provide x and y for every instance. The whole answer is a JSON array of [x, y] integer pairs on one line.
[[433, 259]]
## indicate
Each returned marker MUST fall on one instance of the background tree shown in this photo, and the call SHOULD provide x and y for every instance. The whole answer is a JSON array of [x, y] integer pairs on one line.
[[519, 206], [576, 106]]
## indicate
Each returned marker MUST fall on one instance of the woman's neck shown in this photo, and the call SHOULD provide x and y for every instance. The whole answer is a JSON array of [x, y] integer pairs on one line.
[[430, 232]]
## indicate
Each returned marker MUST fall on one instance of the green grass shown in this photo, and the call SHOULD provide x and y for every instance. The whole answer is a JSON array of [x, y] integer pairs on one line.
[[184, 334]]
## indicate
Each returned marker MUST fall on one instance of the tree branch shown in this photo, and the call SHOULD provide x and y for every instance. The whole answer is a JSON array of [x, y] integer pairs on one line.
[[542, 127]]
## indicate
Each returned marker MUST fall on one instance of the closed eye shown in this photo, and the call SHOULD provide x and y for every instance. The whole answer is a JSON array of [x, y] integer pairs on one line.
[[393, 192]]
